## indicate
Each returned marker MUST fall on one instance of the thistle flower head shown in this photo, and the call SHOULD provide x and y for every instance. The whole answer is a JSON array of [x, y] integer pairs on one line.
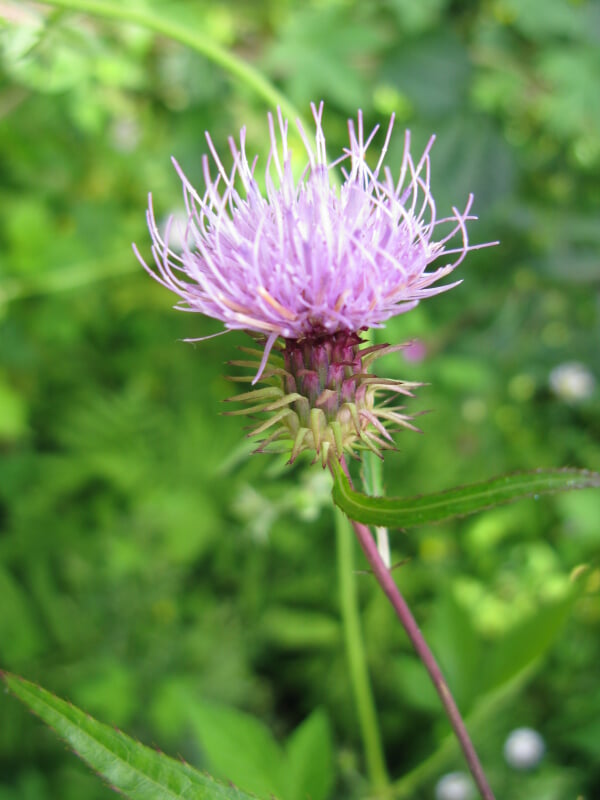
[[310, 262]]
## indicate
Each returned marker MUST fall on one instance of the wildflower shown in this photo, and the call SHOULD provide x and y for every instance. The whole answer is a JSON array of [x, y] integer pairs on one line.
[[454, 786], [524, 748], [305, 267], [572, 382]]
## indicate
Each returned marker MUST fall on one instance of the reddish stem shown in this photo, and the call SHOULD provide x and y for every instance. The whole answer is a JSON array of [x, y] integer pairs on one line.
[[385, 580]]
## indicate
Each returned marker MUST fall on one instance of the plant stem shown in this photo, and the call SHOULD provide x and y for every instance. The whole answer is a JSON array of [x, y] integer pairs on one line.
[[373, 485], [359, 674], [186, 35], [385, 580]]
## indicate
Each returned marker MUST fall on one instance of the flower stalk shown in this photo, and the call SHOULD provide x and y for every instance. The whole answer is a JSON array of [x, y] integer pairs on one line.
[[404, 614]]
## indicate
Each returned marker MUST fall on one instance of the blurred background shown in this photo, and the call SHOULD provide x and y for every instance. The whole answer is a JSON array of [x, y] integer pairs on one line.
[[159, 577]]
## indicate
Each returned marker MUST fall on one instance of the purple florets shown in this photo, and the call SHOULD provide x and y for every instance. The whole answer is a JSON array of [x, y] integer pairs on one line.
[[307, 258], [307, 265]]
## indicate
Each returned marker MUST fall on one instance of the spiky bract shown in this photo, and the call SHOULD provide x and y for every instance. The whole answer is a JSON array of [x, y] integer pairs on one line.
[[320, 396]]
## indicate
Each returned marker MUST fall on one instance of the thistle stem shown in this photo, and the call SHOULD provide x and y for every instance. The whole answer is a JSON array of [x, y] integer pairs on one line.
[[404, 614], [165, 25]]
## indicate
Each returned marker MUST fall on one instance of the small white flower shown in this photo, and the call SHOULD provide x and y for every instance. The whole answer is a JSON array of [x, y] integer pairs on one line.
[[524, 749], [572, 382], [454, 786]]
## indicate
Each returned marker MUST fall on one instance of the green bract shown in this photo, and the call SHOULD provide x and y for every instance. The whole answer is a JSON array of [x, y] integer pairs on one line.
[[320, 396]]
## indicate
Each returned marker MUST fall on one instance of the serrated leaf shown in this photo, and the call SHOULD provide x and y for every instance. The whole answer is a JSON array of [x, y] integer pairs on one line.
[[137, 771], [409, 512]]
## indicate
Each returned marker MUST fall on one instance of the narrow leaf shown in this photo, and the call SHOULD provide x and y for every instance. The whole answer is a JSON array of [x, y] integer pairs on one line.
[[139, 772], [399, 512]]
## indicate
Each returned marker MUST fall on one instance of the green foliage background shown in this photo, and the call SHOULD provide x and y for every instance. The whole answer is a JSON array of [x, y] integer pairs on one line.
[[153, 573]]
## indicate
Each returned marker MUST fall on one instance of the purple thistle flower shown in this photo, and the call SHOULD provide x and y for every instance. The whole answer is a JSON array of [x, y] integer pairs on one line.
[[308, 261]]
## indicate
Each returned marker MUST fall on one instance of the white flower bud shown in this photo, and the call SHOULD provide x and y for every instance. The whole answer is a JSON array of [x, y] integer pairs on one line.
[[524, 749], [572, 382], [455, 786]]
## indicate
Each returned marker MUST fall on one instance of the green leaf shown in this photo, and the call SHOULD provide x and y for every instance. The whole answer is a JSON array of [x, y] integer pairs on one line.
[[316, 53], [310, 757], [432, 71], [524, 644], [241, 747], [546, 19], [137, 771], [472, 156], [414, 18], [399, 512]]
